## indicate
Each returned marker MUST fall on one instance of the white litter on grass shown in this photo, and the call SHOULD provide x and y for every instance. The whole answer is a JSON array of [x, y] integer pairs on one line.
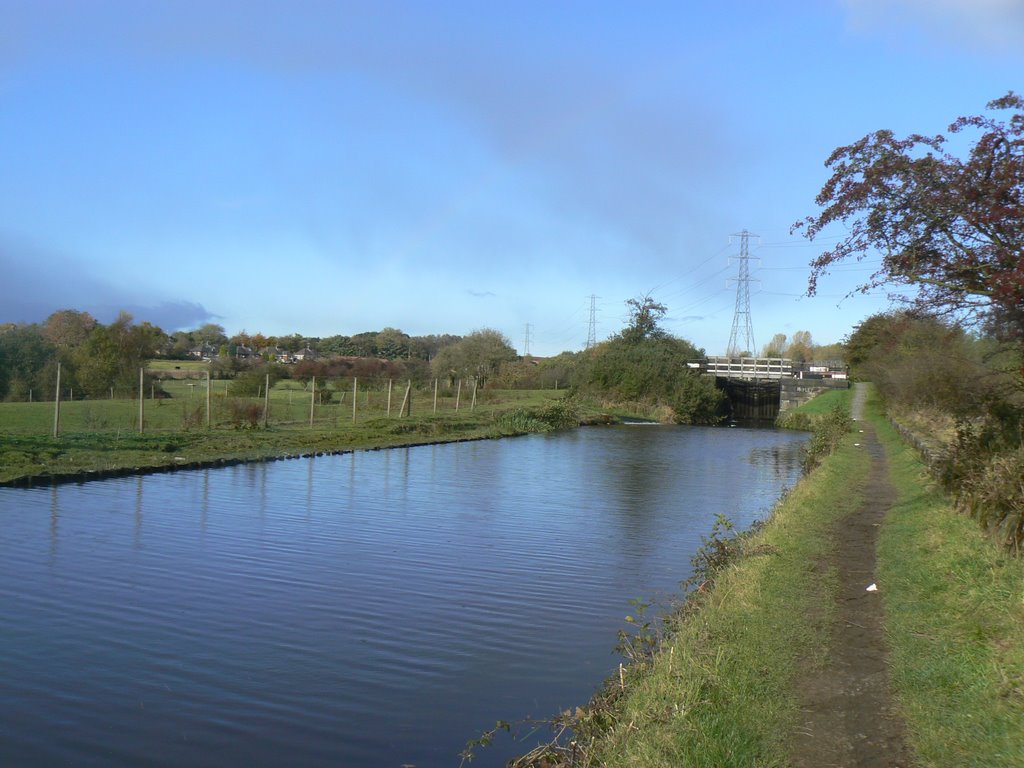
[[873, 588], [856, 445]]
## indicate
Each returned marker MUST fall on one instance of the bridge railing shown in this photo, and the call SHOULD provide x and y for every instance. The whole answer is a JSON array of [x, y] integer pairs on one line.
[[767, 368], [750, 367]]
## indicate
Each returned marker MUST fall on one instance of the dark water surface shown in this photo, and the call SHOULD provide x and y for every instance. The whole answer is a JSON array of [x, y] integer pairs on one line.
[[372, 609]]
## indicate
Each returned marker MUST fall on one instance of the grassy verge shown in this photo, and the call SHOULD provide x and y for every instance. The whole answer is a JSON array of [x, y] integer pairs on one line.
[[100, 437], [805, 417], [955, 607], [721, 692]]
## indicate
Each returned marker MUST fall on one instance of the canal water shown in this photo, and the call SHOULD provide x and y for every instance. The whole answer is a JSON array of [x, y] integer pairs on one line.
[[372, 609]]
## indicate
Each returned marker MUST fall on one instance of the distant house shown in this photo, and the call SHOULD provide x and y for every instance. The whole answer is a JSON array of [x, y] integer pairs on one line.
[[276, 354], [305, 354], [203, 352]]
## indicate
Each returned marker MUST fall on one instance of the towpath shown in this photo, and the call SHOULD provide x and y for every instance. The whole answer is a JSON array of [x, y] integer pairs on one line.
[[849, 717]]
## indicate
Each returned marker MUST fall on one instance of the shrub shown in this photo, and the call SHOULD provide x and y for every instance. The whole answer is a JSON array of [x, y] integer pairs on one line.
[[519, 422], [829, 431], [984, 470], [244, 415], [995, 497]]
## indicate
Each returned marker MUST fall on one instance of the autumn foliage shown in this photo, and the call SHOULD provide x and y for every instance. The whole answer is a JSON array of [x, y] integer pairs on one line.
[[951, 227]]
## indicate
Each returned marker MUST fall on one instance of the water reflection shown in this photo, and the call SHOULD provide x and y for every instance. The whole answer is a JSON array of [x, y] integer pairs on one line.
[[54, 523], [375, 608], [137, 528], [783, 461], [204, 507]]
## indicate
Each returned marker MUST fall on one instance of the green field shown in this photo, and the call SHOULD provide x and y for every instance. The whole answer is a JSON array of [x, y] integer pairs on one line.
[[102, 436]]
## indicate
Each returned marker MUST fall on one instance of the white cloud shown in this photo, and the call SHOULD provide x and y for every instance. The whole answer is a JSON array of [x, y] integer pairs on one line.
[[989, 25]]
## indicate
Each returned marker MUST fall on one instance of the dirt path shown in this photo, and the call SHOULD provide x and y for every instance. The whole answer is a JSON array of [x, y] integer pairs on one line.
[[848, 713]]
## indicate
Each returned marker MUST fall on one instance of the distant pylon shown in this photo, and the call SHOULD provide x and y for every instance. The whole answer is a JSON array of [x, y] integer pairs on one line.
[[526, 341], [741, 317], [592, 332]]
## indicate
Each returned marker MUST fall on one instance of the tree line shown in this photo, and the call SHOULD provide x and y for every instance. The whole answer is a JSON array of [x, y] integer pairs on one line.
[[98, 360], [642, 365]]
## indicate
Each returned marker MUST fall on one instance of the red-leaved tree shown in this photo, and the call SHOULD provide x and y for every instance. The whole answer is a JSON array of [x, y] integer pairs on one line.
[[951, 227]]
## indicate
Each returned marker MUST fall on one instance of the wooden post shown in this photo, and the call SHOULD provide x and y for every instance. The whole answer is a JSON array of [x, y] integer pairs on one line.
[[435, 395], [152, 390], [473, 404], [312, 402], [207, 398], [111, 393], [389, 398], [142, 401], [405, 400], [266, 401], [56, 406], [458, 395], [355, 391]]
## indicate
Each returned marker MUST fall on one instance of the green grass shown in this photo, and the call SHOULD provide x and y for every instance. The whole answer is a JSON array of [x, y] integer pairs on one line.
[[955, 606], [187, 366], [826, 401], [102, 435], [722, 691]]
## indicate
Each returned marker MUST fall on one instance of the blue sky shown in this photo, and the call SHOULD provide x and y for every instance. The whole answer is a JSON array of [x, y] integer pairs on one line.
[[336, 167]]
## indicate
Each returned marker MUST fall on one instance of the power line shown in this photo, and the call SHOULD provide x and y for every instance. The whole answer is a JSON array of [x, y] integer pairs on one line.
[[592, 329]]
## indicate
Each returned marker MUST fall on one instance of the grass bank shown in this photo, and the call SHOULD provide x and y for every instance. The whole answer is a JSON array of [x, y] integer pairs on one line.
[[955, 606], [723, 690], [100, 437]]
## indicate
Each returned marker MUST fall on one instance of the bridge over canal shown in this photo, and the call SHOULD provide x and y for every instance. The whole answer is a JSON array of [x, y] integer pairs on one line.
[[759, 388]]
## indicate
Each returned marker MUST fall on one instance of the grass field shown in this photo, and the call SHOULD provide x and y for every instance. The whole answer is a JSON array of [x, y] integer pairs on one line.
[[102, 436]]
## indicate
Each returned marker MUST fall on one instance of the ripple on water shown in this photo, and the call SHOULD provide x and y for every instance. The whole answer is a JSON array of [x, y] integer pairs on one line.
[[360, 610]]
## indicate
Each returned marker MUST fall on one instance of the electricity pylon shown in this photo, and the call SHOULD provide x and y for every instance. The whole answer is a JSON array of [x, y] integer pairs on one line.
[[741, 317]]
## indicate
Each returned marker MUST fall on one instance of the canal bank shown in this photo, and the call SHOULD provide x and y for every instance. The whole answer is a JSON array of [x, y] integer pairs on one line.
[[866, 624]]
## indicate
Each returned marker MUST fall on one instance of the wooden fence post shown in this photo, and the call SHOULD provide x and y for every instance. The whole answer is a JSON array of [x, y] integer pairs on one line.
[[435, 395], [312, 401], [355, 391], [142, 401], [56, 406], [207, 398], [389, 398], [266, 401], [458, 395], [473, 404], [405, 400]]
